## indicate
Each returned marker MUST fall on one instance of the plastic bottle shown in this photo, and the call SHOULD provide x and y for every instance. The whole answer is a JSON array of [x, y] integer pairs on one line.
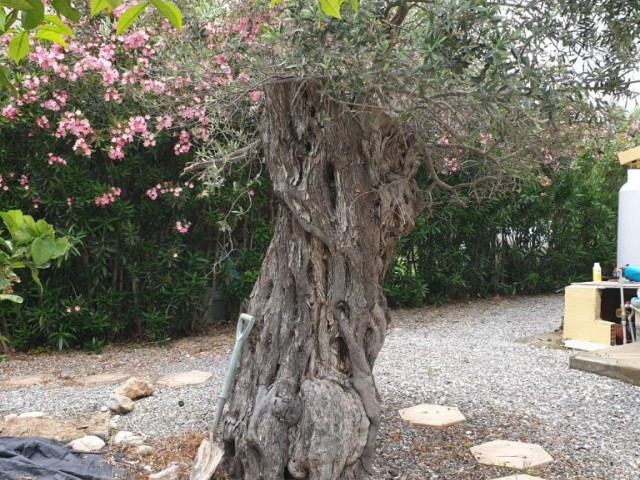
[[597, 272]]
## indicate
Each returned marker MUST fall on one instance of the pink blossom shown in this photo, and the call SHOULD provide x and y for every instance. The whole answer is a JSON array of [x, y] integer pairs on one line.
[[42, 122], [443, 140], [183, 227], [451, 164], [69, 201], [485, 138], [184, 143], [243, 77], [164, 122], [10, 112], [254, 95], [109, 197], [53, 159]]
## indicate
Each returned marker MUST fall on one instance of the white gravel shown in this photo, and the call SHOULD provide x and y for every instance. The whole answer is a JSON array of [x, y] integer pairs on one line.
[[462, 355]]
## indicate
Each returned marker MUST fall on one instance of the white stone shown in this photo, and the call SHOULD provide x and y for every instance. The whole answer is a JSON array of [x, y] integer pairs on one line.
[[10, 417], [504, 453], [144, 450], [120, 403], [170, 473], [135, 388], [104, 409], [182, 379], [89, 443], [127, 438], [31, 415]]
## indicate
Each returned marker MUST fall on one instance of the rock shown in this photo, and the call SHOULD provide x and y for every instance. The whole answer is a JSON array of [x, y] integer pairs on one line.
[[135, 388], [89, 443], [144, 450], [10, 417], [170, 473], [127, 438], [114, 422], [31, 415], [120, 403], [104, 409]]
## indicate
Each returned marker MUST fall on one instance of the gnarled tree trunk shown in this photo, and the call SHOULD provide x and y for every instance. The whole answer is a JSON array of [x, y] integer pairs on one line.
[[304, 404]]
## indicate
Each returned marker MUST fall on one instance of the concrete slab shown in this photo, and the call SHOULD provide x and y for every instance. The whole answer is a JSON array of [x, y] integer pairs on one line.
[[621, 362], [426, 415], [519, 476], [103, 379], [505, 453], [183, 379]]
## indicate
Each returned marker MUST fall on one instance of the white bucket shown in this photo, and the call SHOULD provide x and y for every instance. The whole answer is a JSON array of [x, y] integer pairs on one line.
[[629, 220]]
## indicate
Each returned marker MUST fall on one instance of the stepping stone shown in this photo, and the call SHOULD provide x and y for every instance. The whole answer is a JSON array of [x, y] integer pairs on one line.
[[520, 476], [26, 381], [183, 379], [504, 453], [438, 416], [103, 379]]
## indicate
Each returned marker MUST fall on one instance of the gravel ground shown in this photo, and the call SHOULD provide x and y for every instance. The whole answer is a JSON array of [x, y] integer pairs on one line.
[[462, 355]]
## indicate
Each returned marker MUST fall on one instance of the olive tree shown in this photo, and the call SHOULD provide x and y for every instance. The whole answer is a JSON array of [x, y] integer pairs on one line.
[[354, 103]]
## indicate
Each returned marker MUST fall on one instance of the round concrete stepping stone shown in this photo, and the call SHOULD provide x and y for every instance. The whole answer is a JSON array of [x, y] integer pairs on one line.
[[438, 416], [103, 379], [505, 453], [183, 379], [520, 476]]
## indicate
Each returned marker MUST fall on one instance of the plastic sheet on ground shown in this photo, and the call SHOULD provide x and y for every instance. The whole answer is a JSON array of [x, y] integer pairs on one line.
[[34, 457]]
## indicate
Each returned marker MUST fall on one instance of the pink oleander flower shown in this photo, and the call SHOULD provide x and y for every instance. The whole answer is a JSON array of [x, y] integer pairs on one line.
[[53, 159], [42, 122], [183, 227], [9, 112], [69, 201], [109, 197], [545, 181], [184, 143], [443, 140], [164, 122], [255, 95], [451, 164]]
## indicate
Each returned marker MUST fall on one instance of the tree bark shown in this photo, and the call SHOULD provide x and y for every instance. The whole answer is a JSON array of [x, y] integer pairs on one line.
[[304, 404]]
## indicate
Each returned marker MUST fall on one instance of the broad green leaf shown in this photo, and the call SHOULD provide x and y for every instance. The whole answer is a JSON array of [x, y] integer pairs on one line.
[[169, 11], [34, 16], [42, 250], [18, 47], [5, 81], [62, 247], [43, 228], [98, 6], [30, 225], [11, 298], [114, 3], [273, 2], [64, 8], [51, 37], [331, 7], [13, 219], [354, 5], [64, 28], [3, 19], [129, 16], [23, 5]]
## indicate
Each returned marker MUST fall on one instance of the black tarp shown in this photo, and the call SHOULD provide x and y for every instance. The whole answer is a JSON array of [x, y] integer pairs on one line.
[[42, 458]]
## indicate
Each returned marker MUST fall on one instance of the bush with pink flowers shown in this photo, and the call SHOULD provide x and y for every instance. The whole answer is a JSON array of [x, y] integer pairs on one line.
[[95, 142]]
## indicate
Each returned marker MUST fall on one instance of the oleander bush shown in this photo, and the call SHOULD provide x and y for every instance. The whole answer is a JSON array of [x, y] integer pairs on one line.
[[95, 143]]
